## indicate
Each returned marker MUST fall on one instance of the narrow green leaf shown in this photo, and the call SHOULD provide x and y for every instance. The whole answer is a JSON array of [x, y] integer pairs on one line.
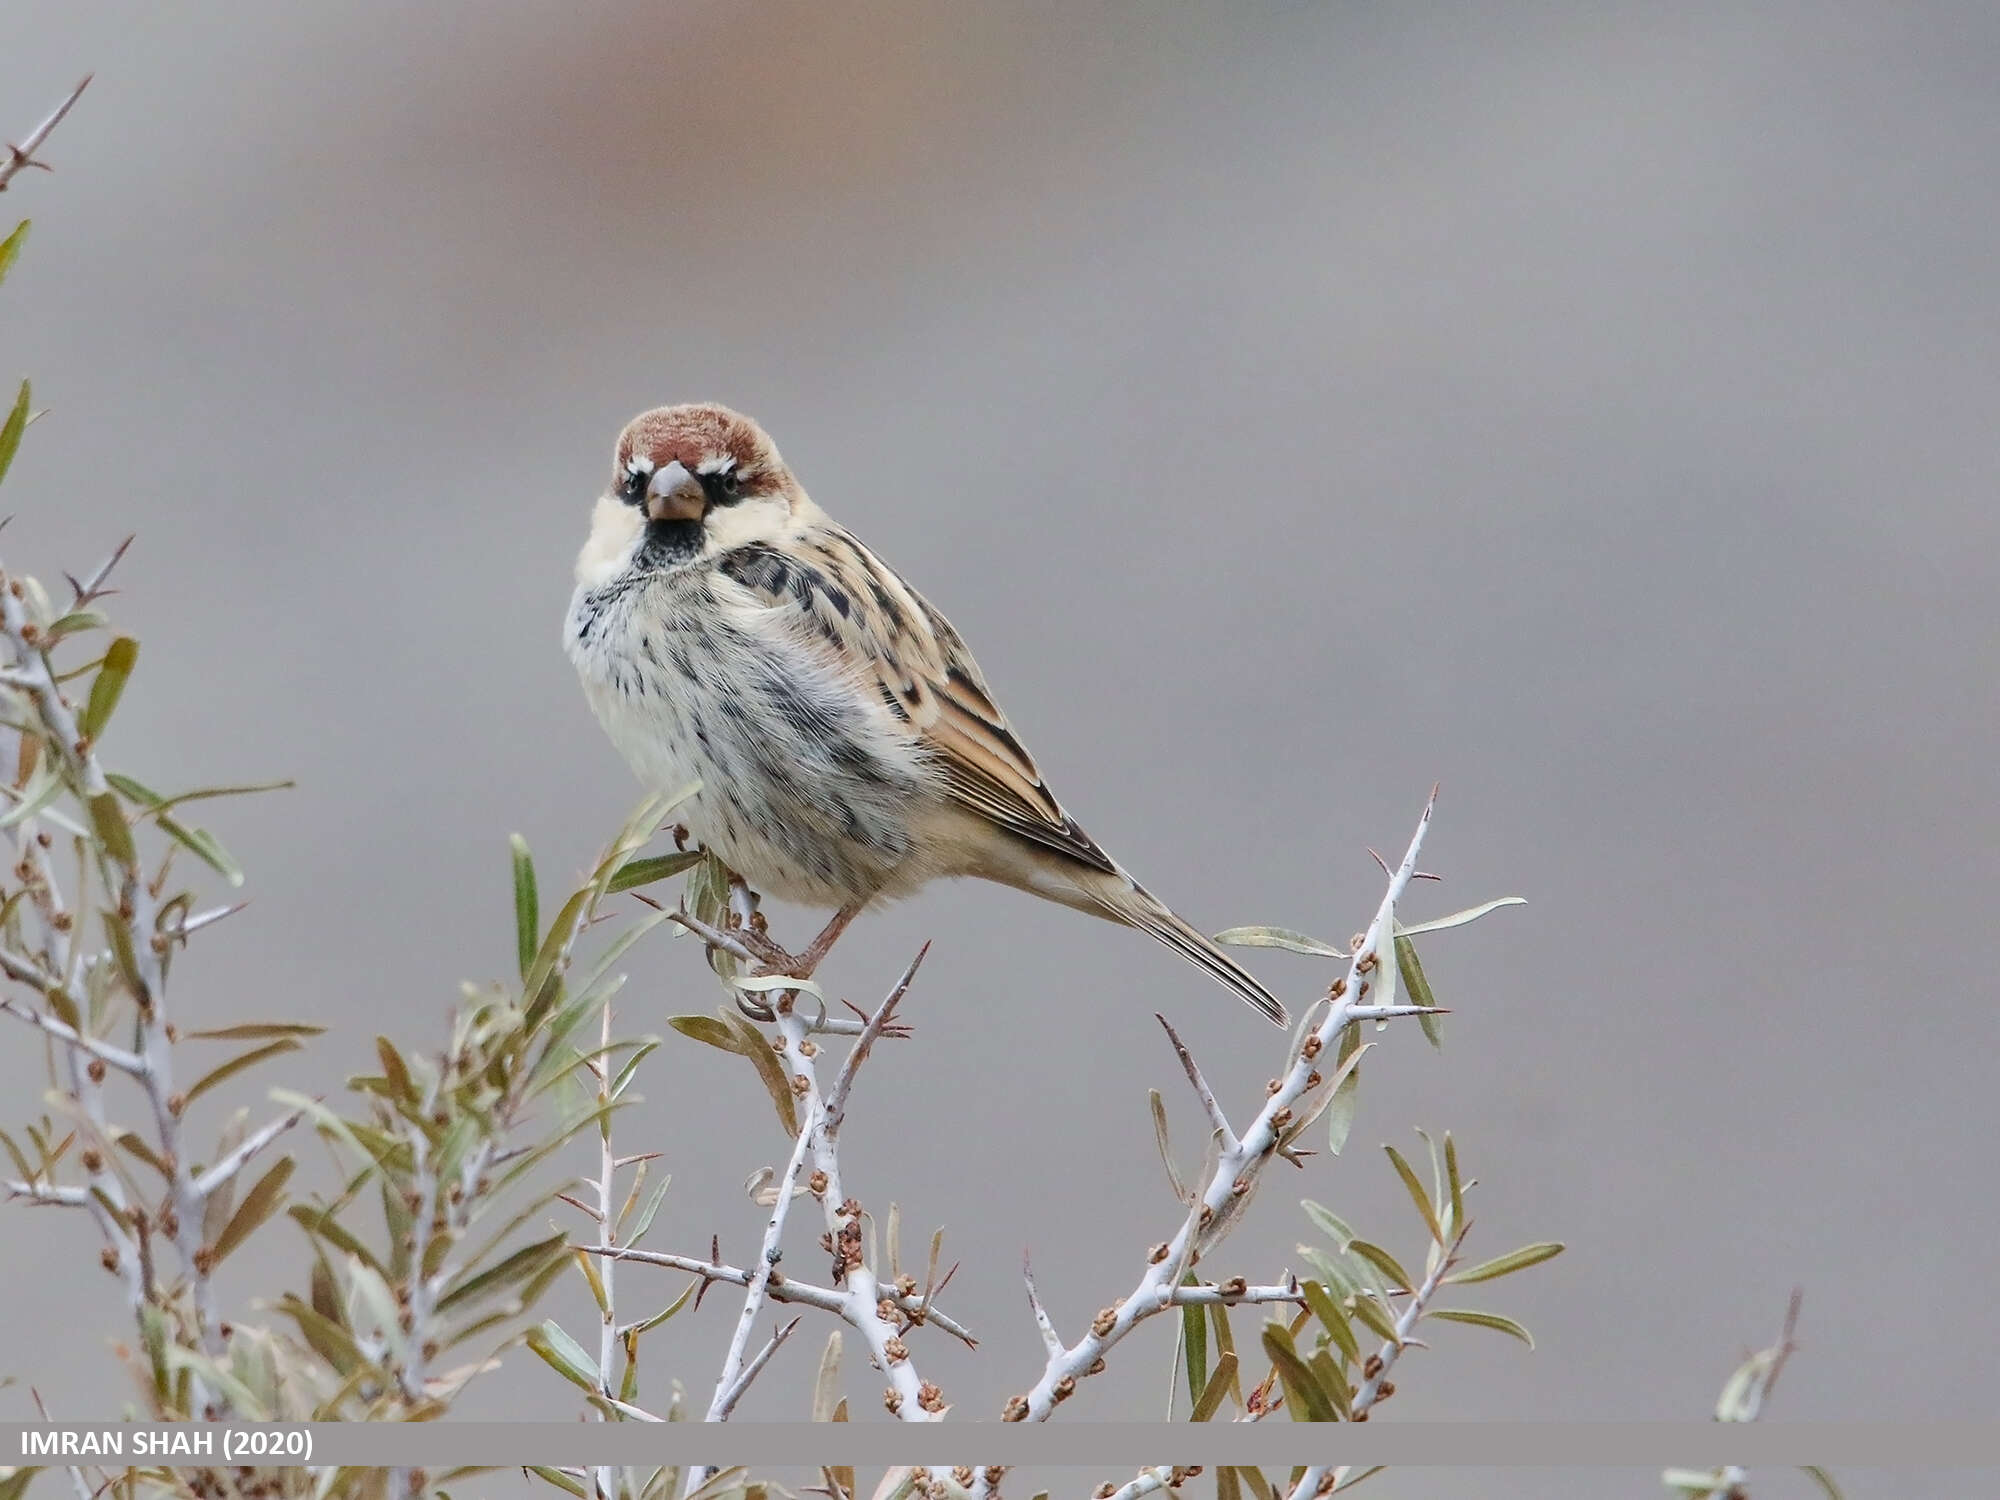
[[1227, 1365], [10, 248], [321, 1224], [252, 1031], [203, 845], [826, 1384], [1484, 1320], [673, 1307], [764, 984], [41, 790], [1457, 1188], [520, 1266], [1375, 1318], [751, 1043], [258, 1205], [1513, 1260], [1353, 1479], [1329, 1224], [74, 623], [1302, 1390], [564, 1355], [1384, 1262], [1161, 1140], [637, 872], [1458, 918], [395, 1071], [1280, 937], [527, 905], [1333, 1320], [1417, 1195], [1419, 989], [1332, 1379], [1346, 1099], [1227, 1485], [11, 430], [108, 686], [1823, 1479], [107, 821], [559, 1479], [1220, 1381], [645, 1220], [1194, 1339], [238, 1063]]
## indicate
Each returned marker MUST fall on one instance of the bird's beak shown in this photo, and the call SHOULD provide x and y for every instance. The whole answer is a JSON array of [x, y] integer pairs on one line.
[[675, 495]]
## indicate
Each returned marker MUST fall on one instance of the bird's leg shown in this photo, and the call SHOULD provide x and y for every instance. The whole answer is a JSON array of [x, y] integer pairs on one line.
[[828, 936], [802, 965]]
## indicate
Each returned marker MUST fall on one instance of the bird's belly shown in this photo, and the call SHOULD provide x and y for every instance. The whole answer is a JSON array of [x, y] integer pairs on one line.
[[807, 812]]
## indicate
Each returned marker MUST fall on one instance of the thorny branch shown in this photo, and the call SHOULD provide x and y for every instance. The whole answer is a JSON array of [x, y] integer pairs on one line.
[[23, 155], [1240, 1161], [880, 1314], [141, 936]]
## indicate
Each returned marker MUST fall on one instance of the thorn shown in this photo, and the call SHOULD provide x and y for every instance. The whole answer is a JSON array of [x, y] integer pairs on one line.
[[1380, 861], [714, 1259]]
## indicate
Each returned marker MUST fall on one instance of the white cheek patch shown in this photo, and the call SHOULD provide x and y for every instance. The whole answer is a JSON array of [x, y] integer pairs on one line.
[[615, 528], [761, 519]]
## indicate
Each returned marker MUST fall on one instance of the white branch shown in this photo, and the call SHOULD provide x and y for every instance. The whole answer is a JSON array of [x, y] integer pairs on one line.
[[1406, 1324], [783, 1288], [1051, 1340], [875, 1312], [104, 1052], [760, 1276], [237, 1159], [47, 1192], [137, 912], [728, 1399], [23, 155], [1237, 1168]]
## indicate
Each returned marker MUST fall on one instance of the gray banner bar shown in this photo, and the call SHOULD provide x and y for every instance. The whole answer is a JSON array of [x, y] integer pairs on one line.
[[1103, 1445]]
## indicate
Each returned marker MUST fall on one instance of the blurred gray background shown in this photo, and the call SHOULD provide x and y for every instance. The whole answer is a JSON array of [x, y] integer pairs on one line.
[[1591, 408]]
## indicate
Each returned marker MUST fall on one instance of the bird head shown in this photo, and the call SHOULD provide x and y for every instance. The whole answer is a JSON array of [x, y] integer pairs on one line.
[[687, 482]]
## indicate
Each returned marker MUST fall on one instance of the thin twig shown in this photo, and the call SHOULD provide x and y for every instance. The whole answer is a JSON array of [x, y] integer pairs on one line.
[[104, 1052], [727, 1391], [750, 1371], [790, 1289], [1216, 1117], [23, 155], [235, 1161]]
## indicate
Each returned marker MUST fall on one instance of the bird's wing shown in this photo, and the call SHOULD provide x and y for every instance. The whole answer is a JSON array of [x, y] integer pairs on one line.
[[898, 646]]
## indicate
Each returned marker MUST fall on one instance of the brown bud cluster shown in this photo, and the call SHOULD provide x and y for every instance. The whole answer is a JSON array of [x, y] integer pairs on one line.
[[930, 1398], [1016, 1409]]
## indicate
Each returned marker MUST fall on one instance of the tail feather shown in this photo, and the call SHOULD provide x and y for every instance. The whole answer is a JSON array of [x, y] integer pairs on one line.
[[1149, 915]]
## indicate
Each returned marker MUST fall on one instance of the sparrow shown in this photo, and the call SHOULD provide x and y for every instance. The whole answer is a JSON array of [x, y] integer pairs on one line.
[[846, 746]]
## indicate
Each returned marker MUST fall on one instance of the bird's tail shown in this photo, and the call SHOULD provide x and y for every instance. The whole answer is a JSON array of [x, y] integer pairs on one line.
[[1145, 911]]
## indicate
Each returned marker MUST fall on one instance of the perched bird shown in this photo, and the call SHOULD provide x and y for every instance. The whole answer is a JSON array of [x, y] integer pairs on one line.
[[848, 749]]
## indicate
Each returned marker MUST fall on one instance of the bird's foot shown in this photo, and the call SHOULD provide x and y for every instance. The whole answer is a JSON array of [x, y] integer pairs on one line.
[[774, 960]]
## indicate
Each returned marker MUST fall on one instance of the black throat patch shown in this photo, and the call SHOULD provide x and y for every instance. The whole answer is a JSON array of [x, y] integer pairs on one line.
[[668, 543]]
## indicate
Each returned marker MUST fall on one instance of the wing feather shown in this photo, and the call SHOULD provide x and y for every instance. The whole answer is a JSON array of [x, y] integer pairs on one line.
[[903, 649]]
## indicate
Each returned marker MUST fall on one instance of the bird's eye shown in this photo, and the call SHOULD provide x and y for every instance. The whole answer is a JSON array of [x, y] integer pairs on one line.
[[724, 488], [634, 488]]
